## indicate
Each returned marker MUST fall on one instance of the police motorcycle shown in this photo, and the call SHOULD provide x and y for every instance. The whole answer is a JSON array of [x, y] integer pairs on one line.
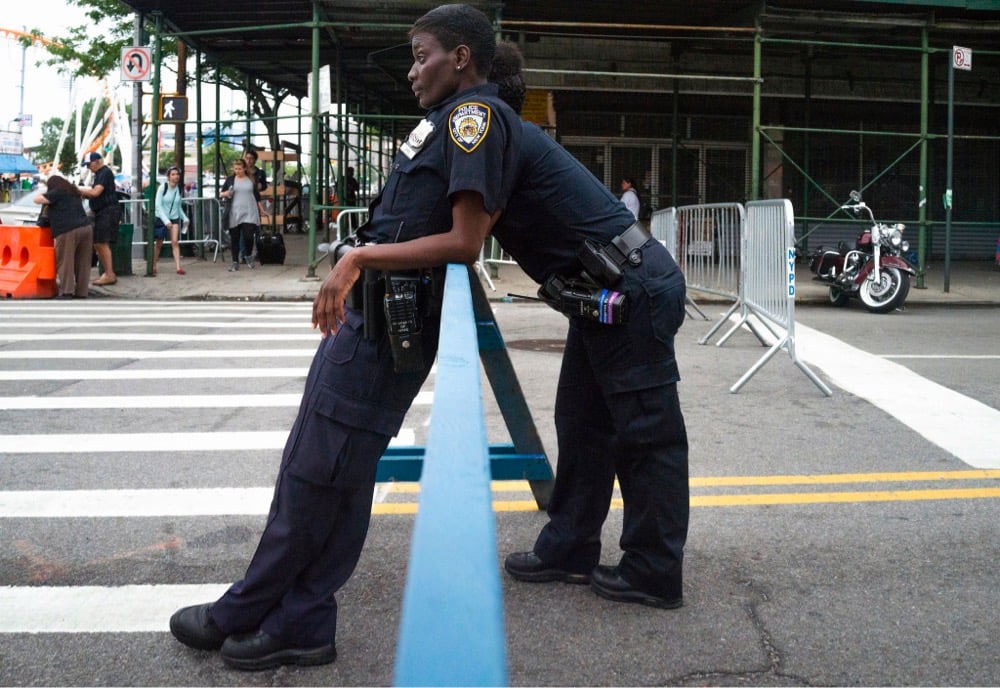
[[873, 271]]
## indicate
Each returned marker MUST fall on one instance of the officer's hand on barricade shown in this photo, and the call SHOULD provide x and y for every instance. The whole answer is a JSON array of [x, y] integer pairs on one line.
[[328, 307]]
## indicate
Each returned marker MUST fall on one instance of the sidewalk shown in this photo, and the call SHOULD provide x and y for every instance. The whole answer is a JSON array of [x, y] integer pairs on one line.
[[970, 282]]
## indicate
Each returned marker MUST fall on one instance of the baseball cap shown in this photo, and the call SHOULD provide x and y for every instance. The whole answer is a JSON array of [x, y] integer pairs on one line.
[[91, 157]]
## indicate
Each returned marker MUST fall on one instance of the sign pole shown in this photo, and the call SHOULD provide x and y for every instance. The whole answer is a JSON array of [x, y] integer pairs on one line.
[[136, 193], [947, 184], [154, 146], [961, 58]]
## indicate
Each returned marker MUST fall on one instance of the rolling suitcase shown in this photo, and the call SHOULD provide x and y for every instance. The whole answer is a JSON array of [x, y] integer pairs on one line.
[[271, 249]]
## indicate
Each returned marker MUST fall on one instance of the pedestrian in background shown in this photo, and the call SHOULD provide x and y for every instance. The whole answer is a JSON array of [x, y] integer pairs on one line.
[[352, 188], [258, 175], [107, 214], [630, 197], [243, 213], [170, 218], [73, 235], [617, 410]]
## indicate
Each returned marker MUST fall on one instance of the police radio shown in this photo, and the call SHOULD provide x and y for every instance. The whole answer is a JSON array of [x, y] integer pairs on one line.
[[584, 299], [404, 322]]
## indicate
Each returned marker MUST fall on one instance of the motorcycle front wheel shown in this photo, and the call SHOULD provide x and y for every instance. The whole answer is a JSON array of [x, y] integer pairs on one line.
[[839, 297], [888, 293]]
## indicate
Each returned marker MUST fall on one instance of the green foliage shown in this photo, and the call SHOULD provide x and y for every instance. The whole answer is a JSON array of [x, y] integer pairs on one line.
[[86, 52], [227, 154], [45, 151]]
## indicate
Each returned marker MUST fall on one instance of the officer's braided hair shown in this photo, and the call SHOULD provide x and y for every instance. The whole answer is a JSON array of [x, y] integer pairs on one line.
[[506, 74], [455, 25]]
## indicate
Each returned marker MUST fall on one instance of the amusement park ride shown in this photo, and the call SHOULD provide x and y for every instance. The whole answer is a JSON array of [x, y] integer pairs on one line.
[[103, 135]]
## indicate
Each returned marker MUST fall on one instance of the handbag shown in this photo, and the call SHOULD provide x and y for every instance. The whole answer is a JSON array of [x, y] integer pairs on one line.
[[43, 216]]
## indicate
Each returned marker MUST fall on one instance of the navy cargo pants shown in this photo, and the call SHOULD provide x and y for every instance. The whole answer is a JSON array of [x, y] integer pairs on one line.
[[352, 406], [617, 411]]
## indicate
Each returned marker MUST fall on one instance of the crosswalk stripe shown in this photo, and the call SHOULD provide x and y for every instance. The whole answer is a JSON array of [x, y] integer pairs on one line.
[[962, 426], [153, 373], [303, 318], [111, 336], [105, 305], [233, 401], [255, 323], [138, 354], [98, 609], [157, 442], [255, 501]]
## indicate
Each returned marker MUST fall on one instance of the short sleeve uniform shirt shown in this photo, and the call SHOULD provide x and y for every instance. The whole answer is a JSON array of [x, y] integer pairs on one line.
[[470, 142]]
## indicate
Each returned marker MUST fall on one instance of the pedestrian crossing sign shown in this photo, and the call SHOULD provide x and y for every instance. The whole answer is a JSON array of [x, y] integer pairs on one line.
[[173, 108]]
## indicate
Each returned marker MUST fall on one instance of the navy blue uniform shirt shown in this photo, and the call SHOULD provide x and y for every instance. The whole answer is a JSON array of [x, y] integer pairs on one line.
[[558, 203], [469, 142]]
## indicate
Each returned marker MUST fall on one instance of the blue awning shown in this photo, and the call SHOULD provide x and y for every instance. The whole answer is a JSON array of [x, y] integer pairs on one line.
[[16, 164]]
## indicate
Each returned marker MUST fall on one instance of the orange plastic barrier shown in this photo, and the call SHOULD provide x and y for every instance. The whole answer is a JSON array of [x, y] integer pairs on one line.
[[27, 262]]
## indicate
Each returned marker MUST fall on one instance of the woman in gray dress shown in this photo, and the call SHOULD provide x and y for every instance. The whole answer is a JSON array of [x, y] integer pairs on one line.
[[242, 218]]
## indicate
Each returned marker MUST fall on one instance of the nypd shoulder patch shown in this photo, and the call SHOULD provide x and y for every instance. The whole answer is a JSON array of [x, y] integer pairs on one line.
[[470, 122]]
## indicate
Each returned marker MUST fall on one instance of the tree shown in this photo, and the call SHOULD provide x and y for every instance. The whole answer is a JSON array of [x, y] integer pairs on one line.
[[45, 151], [83, 52], [69, 158]]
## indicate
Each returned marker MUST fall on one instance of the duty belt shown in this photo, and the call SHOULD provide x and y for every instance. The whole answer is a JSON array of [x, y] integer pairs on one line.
[[625, 247], [604, 264]]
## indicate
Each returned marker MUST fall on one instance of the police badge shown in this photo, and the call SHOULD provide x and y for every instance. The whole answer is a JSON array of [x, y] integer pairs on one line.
[[417, 138], [469, 124]]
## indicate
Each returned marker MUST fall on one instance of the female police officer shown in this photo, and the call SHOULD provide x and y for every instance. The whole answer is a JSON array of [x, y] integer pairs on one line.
[[451, 176], [617, 409]]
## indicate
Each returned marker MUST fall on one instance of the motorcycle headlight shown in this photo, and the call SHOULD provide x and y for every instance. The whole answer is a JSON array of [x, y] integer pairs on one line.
[[896, 238]]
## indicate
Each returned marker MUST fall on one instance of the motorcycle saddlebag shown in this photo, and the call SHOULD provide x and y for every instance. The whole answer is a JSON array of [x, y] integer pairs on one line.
[[271, 250], [823, 262]]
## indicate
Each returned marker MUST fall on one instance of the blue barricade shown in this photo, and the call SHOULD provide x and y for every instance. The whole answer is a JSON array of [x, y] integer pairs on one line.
[[452, 629]]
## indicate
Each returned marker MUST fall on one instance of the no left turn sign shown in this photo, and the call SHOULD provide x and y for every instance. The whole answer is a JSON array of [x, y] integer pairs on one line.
[[136, 64]]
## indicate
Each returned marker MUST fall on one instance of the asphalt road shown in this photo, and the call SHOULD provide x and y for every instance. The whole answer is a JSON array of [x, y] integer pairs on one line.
[[832, 542]]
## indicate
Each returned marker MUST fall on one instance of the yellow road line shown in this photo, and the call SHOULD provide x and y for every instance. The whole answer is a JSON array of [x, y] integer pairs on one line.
[[748, 480], [753, 499], [840, 497], [834, 478]]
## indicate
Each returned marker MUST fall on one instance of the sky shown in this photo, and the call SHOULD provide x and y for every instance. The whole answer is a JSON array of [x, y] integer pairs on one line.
[[46, 93]]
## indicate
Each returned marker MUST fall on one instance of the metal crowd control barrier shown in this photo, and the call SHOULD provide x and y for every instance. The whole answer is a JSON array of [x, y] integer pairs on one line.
[[452, 629], [709, 237], [491, 254], [767, 287], [663, 228], [205, 229], [346, 223]]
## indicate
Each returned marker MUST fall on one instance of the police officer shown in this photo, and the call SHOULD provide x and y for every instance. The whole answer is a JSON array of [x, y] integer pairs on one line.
[[449, 179], [617, 408]]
